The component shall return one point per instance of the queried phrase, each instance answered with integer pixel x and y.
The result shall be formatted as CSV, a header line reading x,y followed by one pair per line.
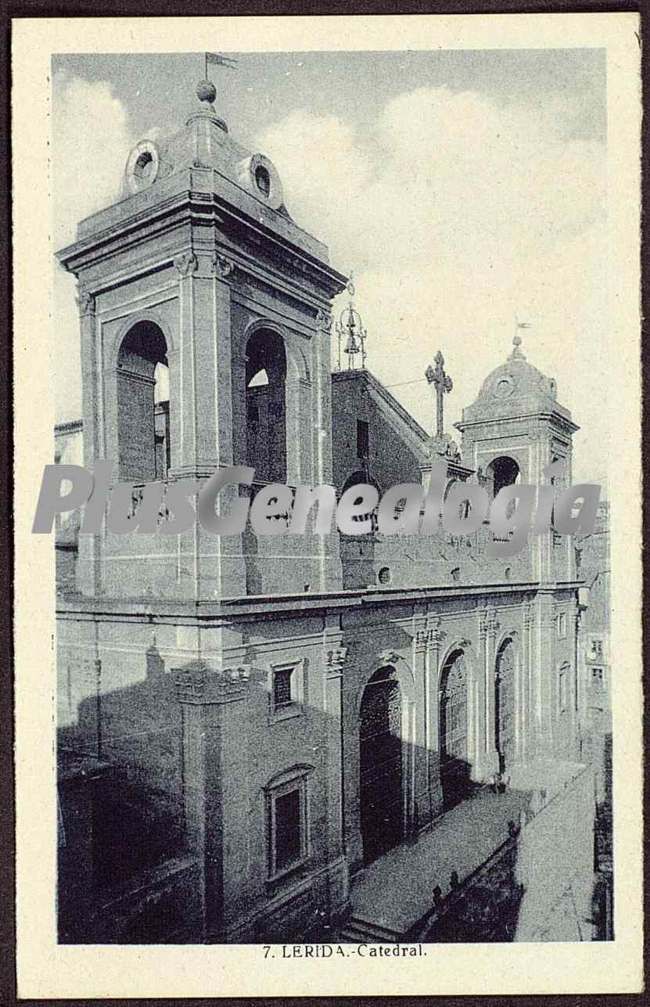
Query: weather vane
x,y
516,339
206,91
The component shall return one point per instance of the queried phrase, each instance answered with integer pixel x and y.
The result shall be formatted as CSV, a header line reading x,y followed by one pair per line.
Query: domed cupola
x,y
516,414
514,388
204,143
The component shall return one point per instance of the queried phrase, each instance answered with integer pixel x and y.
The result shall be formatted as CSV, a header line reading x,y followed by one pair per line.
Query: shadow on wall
x,y
127,876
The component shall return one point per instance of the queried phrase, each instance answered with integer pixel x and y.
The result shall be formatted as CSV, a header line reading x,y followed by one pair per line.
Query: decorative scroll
x,y
186,263
489,622
198,684
324,320
86,302
223,266
336,658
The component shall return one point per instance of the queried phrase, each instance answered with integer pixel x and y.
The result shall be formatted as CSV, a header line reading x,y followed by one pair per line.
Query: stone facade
x,y
226,681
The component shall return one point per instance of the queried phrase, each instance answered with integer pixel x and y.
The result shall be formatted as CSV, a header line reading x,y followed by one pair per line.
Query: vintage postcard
x,y
328,511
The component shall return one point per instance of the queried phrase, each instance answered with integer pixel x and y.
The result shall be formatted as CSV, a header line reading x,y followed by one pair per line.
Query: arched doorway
x,y
143,404
266,411
452,707
380,743
504,704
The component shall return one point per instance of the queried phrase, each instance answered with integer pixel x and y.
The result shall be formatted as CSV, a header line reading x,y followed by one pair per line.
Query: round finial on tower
x,y
206,91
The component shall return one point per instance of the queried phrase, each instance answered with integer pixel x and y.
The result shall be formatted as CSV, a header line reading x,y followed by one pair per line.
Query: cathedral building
x,y
248,723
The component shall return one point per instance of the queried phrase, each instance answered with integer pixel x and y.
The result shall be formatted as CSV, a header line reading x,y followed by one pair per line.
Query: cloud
x,y
90,141
458,212
91,133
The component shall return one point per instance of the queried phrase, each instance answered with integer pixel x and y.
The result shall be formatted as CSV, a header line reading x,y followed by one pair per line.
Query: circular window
x,y
262,180
503,388
258,174
142,166
384,575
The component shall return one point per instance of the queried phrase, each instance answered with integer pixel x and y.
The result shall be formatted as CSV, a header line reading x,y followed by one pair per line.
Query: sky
x,y
463,188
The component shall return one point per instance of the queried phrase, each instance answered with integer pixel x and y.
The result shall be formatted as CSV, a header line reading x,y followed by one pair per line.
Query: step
x,y
358,931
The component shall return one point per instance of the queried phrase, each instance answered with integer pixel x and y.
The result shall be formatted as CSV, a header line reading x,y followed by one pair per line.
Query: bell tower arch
x,y
199,273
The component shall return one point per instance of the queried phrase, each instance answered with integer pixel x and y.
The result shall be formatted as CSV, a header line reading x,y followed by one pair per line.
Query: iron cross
x,y
442,383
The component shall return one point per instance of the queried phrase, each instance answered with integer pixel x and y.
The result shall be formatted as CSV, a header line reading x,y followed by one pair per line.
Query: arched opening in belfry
x,y
453,729
143,404
161,419
266,406
502,471
380,764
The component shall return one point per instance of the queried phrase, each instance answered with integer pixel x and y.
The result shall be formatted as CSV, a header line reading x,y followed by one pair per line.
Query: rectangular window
x,y
596,651
288,828
597,677
562,690
286,685
282,693
363,439
561,625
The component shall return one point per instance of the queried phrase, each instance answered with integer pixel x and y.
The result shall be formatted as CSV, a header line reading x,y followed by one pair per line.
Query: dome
x,y
516,387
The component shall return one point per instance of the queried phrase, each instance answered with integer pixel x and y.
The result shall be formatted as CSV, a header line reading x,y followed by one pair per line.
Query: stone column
x,y
329,547
488,760
526,733
204,383
215,759
543,672
89,562
426,661
334,654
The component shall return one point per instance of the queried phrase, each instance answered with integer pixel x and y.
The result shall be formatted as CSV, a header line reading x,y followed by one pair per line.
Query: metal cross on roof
x,y
442,383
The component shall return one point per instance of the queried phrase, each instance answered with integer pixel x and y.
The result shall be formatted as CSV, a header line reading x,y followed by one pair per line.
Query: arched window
x,y
266,426
502,471
143,405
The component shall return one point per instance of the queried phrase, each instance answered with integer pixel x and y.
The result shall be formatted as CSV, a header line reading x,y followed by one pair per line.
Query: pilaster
x,y
334,658
89,561
426,661
215,761
488,759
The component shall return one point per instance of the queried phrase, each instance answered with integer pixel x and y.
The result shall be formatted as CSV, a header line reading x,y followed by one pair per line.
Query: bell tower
x,y
205,343
510,434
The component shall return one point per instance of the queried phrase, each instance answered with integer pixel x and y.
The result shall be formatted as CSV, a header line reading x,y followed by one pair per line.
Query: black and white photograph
x,y
364,707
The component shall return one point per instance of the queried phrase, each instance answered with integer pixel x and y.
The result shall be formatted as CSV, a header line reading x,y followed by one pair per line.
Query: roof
x,y
396,415
514,389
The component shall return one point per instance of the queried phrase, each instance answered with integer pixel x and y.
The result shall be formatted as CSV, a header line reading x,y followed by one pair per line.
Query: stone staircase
x,y
359,931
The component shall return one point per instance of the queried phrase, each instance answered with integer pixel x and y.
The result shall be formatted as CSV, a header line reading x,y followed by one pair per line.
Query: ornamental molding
x,y
186,263
432,637
199,685
223,266
489,623
389,657
336,658
324,320
86,302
